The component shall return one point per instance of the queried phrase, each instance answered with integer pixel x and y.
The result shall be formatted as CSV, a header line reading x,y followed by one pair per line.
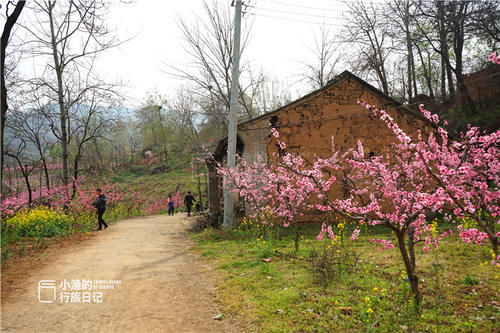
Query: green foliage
x,y
459,118
470,280
286,295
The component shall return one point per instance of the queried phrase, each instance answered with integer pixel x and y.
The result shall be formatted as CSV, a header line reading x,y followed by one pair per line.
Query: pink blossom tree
x,y
274,194
466,172
385,190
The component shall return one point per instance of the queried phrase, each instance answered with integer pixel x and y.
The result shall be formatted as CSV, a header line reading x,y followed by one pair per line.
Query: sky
x,y
282,35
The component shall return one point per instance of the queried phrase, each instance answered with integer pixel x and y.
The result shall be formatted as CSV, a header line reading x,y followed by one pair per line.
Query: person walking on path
x,y
188,201
170,203
100,205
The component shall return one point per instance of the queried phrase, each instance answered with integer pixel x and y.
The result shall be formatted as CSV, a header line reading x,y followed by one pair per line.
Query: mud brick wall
x,y
255,138
308,124
482,86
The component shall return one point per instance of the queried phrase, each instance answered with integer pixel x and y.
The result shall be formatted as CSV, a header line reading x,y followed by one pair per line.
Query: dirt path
x,y
163,288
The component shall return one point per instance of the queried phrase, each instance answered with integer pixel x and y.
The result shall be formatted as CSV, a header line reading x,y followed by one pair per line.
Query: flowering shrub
x,y
336,258
44,222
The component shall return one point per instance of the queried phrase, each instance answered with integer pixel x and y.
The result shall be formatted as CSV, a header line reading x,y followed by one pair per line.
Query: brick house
x,y
307,124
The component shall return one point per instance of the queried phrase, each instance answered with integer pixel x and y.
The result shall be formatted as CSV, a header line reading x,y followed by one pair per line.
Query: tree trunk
x,y
414,75
411,248
451,85
199,192
444,51
494,243
427,74
41,185
75,176
9,24
46,172
410,269
458,48
296,236
206,185
410,52
443,81
63,112
28,185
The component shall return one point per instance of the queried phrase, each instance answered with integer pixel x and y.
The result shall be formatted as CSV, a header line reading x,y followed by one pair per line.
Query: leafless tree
x,y
454,23
321,68
32,127
208,43
401,15
68,35
4,41
152,116
367,32
92,119
17,149
185,116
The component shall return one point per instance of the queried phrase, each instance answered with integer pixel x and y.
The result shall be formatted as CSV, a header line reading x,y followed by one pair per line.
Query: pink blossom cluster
x,y
355,234
386,244
472,235
325,230
462,174
177,198
156,206
434,240
85,197
57,197
494,58
272,193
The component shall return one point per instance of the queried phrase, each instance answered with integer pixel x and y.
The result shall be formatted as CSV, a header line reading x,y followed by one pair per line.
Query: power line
x,y
295,20
364,2
302,6
295,13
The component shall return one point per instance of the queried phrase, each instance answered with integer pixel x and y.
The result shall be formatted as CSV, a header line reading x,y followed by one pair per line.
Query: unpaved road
x,y
163,288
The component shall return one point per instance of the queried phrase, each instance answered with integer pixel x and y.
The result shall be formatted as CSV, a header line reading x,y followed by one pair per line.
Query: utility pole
x,y
233,117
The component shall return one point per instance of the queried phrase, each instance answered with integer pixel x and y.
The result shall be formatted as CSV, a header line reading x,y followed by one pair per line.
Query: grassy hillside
x,y
160,185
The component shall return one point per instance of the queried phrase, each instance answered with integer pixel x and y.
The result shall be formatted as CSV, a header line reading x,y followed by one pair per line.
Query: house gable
x,y
308,123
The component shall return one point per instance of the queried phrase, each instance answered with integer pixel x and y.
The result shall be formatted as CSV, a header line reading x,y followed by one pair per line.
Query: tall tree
x,y
322,68
208,43
401,16
68,36
9,25
152,116
33,129
92,119
367,31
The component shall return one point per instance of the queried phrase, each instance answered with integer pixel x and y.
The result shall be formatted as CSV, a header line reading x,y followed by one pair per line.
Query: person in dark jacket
x,y
100,205
170,206
188,201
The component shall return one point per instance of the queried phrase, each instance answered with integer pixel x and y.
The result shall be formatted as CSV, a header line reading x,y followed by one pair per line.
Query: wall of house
x,y
307,127
255,137
482,86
